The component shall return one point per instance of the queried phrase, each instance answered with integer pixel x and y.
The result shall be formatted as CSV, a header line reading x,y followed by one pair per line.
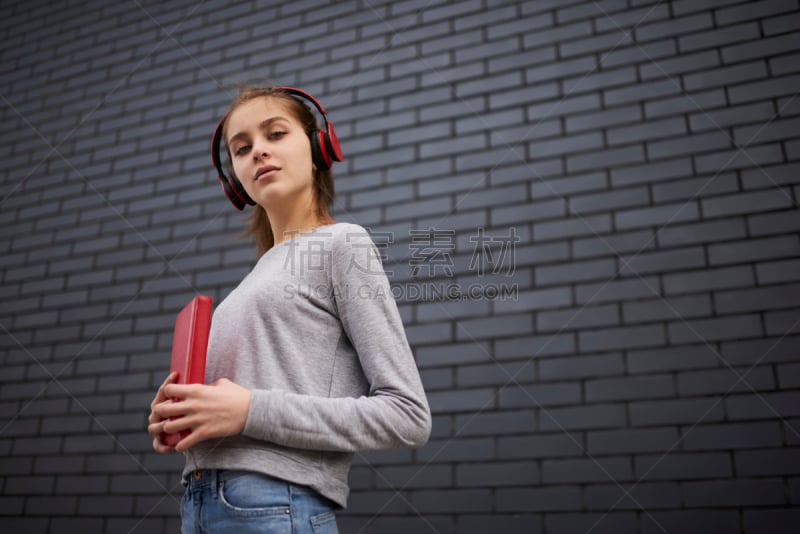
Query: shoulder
x,y
346,234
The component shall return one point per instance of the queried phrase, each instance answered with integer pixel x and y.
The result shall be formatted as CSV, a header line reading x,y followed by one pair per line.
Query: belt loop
x,y
214,481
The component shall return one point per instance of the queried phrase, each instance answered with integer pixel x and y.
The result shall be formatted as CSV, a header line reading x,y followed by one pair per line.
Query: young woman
x,y
307,358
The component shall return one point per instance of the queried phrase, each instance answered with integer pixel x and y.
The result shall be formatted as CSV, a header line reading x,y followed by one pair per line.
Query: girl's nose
x,y
260,150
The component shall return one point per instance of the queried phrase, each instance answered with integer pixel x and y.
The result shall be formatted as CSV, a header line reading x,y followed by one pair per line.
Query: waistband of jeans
x,y
212,477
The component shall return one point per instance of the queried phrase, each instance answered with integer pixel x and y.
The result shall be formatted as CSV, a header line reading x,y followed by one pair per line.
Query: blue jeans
x,y
243,502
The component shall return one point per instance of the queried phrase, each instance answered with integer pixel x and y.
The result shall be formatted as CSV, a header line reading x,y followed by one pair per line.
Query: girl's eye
x,y
242,150
276,136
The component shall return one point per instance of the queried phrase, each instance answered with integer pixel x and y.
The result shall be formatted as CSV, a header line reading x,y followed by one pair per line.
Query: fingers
x,y
189,441
160,394
156,422
181,391
160,447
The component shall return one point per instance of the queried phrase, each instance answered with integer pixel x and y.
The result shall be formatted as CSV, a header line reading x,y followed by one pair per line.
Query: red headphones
x,y
325,149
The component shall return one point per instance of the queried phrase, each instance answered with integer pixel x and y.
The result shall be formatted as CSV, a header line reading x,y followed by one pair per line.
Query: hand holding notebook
x,y
189,345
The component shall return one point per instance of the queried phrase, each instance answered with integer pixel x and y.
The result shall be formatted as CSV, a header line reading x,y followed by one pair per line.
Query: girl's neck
x,y
287,229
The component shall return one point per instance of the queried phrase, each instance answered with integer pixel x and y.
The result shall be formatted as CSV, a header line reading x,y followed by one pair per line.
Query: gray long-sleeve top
x,y
314,332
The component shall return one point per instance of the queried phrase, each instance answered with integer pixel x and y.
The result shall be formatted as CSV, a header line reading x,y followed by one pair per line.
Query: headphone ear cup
x,y
241,194
332,142
318,156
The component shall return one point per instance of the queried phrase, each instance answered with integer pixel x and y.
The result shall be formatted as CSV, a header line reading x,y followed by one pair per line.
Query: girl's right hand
x,y
156,424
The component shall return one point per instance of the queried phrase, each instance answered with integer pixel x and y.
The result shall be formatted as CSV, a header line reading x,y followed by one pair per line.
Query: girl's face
x,y
270,152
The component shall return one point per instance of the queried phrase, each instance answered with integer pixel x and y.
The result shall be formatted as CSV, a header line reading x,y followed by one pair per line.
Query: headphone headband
x,y
325,149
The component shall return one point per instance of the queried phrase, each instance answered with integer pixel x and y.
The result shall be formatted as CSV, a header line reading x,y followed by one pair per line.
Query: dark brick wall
x,y
643,377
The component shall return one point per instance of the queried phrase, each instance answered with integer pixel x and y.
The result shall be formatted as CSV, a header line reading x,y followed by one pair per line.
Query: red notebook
x,y
189,344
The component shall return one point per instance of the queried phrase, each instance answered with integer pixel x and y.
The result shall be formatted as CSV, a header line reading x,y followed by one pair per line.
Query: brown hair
x,y
323,190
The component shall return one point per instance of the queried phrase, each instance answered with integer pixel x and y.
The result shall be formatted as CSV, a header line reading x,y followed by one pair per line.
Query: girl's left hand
x,y
210,411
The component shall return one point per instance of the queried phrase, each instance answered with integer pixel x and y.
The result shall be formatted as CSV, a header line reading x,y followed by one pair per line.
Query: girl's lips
x,y
266,173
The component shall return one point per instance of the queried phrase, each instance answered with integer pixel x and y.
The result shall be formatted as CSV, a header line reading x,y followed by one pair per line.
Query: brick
x,y
679,64
767,350
758,112
746,203
557,34
782,323
691,521
534,346
578,271
680,104
615,244
777,271
662,262
452,501
538,499
773,223
414,476
487,50
610,201
769,46
561,69
605,159
639,53
629,388
774,129
681,411
495,423
737,436
524,96
582,418
523,59
457,450
470,329
539,395
788,376
568,105
491,18
767,462
494,374
762,90
667,309
752,250
30,525
616,290
777,521
757,299
708,279
508,136
683,466
673,27
603,442
580,366
463,400
500,474
29,485
762,405
434,355
690,144
577,318
585,470
648,495
594,81
722,77
646,131
573,227
705,232
538,446
708,330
